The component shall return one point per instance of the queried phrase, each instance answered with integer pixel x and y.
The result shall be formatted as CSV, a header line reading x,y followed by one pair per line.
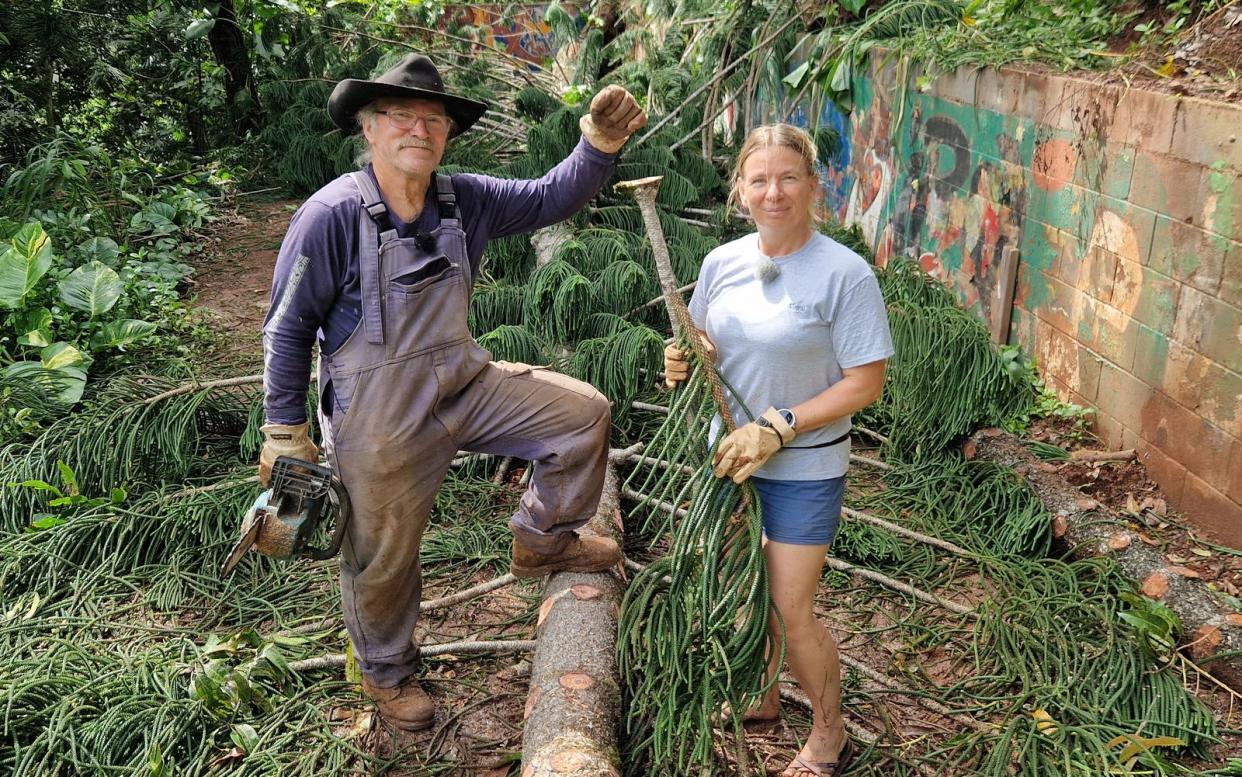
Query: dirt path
x,y
233,280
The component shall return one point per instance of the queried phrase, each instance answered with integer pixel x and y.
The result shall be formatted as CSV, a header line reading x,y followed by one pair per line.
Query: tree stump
x,y
574,703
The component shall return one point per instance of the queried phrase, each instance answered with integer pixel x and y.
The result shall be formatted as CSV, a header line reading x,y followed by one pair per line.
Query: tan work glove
x,y
748,447
677,363
614,116
281,440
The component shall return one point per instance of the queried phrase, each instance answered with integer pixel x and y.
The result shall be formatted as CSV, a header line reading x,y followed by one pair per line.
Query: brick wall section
x,y
1126,206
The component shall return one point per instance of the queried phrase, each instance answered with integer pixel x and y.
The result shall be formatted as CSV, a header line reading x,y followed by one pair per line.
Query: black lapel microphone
x,y
425,241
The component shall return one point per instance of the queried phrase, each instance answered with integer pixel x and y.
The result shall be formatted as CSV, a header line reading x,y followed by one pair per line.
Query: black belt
x,y
828,444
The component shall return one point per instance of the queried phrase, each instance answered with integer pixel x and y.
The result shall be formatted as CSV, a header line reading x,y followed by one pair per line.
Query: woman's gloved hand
x,y
283,440
677,362
748,447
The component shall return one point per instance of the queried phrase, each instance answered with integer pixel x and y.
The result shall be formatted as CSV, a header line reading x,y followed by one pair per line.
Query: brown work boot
x,y
407,706
582,554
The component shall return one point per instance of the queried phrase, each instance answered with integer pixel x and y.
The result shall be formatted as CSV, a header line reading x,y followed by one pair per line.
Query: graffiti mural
x,y
519,31
1127,235
936,193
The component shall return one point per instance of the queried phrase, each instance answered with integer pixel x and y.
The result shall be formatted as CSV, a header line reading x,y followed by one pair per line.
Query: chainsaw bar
x,y
250,533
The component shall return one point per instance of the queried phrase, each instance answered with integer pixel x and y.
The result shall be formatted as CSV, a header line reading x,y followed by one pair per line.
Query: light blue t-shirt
x,y
781,342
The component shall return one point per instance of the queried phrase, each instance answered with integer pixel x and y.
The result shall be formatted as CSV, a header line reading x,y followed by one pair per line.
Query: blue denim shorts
x,y
800,512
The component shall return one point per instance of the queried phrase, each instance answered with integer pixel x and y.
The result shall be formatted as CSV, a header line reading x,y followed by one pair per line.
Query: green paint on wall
x,y
1223,183
1151,356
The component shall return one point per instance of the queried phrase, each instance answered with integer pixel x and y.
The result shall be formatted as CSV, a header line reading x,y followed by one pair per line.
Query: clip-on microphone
x,y
425,241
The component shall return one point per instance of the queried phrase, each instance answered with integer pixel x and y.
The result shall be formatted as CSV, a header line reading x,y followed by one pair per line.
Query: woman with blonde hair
x,y
798,326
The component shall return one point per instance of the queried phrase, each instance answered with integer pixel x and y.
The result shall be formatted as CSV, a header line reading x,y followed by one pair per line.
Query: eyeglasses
x,y
405,120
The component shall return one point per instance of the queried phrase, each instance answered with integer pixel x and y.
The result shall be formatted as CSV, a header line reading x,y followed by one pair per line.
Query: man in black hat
x,y
377,268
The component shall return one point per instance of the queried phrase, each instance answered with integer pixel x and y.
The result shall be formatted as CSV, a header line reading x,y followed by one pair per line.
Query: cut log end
x,y
584,592
1156,585
636,183
577,681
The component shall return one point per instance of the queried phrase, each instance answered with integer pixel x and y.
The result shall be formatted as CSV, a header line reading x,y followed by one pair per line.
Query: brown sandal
x,y
826,768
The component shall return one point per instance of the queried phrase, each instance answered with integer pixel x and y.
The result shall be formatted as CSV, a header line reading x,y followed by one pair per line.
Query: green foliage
x,y
67,496
513,343
305,147
946,379
1046,404
534,104
618,362
693,632
1155,623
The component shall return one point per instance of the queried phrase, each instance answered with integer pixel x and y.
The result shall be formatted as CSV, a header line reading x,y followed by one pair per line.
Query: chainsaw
x,y
286,519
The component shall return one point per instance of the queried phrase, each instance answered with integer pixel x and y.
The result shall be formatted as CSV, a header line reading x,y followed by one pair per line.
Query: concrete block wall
x,y
1126,208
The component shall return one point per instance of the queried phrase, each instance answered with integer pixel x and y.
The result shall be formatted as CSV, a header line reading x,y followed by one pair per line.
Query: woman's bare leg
x,y
811,653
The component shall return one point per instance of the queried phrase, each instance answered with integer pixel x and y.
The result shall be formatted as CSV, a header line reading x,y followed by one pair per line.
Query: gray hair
x,y
362,149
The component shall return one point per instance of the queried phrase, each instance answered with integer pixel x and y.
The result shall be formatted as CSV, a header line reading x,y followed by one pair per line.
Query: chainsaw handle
x,y
340,498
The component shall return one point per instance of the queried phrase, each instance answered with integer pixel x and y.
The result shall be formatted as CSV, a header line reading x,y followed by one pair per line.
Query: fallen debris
x,y
1211,635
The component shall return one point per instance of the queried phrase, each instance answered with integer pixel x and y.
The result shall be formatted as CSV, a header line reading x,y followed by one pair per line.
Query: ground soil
x,y
1125,489
233,280
1204,60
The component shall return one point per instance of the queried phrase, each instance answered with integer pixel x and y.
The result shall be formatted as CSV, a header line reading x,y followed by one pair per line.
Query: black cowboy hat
x,y
415,76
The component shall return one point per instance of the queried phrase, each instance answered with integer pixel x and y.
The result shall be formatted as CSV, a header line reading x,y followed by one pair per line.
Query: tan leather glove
x,y
748,447
614,116
281,440
677,363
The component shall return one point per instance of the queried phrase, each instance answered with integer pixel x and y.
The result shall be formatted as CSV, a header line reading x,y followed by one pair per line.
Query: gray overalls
x,y
409,388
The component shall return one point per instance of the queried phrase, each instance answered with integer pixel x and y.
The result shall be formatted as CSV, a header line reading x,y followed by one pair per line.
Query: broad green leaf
x,y
245,737
72,382
67,476
37,485
47,522
58,355
198,28
118,495
273,655
842,75
34,327
93,287
121,333
103,249
161,209
155,761
794,79
853,6
67,383
24,259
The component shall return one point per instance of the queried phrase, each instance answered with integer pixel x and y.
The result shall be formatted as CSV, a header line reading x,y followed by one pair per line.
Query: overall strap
x,y
374,228
374,205
447,199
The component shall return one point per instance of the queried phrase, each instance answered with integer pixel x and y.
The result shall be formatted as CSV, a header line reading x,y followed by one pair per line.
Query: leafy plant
x,y
67,495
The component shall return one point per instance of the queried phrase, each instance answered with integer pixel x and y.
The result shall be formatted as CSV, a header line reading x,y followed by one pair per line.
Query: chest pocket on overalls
x,y
420,272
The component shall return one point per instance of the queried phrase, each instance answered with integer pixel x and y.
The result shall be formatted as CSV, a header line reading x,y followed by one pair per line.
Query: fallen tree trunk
x,y
1210,635
574,703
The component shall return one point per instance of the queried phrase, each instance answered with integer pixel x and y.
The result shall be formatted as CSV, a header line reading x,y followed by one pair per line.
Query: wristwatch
x,y
789,417
786,413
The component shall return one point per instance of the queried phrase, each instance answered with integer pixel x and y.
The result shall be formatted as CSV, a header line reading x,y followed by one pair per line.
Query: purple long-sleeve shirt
x,y
316,287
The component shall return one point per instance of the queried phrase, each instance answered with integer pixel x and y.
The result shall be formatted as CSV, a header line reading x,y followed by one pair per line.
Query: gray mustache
x,y
415,144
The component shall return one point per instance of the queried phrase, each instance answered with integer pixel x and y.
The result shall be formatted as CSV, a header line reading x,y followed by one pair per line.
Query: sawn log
x,y
574,702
